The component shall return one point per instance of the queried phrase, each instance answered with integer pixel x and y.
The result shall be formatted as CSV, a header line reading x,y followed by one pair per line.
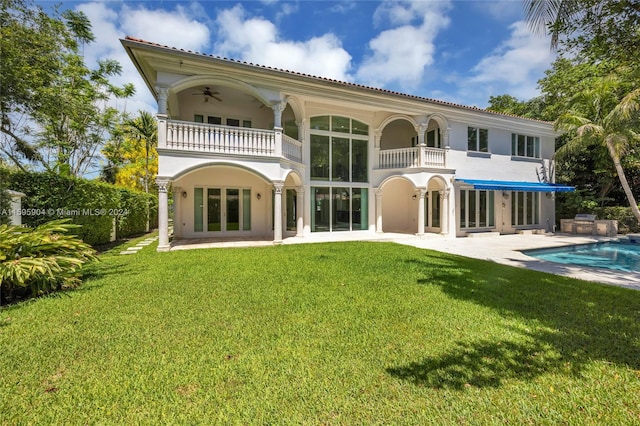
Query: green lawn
x,y
344,333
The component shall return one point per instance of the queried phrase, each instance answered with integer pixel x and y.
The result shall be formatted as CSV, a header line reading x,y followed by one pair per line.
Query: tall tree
x,y
601,30
144,130
54,110
597,116
131,153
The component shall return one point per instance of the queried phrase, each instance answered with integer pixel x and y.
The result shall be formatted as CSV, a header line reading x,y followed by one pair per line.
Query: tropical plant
x,y
598,116
132,159
143,131
40,260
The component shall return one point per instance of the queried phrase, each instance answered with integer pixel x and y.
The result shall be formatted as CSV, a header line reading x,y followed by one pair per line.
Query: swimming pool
x,y
617,255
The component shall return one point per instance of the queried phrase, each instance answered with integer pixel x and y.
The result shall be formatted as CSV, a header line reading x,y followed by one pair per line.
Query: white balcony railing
x,y
418,156
199,137
291,148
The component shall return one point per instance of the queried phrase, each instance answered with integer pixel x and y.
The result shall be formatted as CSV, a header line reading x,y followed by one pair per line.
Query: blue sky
x,y
460,51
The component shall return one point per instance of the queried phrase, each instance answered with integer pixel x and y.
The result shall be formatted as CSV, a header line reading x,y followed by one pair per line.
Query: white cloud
x,y
165,26
255,39
516,65
402,54
160,26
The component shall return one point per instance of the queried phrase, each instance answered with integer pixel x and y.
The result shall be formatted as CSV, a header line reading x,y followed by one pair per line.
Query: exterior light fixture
x,y
184,194
258,195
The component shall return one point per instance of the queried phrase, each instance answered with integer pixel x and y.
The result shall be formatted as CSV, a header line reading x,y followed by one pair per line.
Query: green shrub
x,y
40,260
88,203
136,209
97,206
627,222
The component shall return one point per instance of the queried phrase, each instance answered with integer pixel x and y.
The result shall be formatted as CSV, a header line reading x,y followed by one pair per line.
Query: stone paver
x,y
139,246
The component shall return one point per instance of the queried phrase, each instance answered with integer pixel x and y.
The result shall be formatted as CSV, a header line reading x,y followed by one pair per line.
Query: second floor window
x,y
525,146
477,139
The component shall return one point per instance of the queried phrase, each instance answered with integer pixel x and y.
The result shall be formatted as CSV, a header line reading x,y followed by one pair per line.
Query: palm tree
x,y
597,116
552,16
143,129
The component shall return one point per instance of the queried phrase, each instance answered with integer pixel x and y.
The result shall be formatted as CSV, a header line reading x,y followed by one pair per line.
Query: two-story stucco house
x,y
252,151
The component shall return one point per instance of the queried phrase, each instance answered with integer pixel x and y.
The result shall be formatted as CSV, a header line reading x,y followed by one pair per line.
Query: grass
x,y
344,333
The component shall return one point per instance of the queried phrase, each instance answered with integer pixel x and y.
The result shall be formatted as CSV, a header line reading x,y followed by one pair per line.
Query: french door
x,y
222,209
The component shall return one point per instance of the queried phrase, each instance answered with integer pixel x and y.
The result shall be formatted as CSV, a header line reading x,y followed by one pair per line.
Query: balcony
x,y
417,156
227,140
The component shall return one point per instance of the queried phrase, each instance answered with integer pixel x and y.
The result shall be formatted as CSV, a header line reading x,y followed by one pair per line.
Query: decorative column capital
x,y
444,193
277,186
300,191
422,192
278,106
378,192
421,128
163,184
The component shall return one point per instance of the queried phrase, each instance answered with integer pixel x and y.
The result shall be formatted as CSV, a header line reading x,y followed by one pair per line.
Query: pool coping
x,y
507,250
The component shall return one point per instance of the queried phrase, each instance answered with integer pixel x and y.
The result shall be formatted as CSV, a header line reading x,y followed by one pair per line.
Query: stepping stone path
x,y
142,244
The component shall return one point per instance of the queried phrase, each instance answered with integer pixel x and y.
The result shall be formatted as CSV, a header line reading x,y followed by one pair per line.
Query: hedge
x,y
627,222
92,204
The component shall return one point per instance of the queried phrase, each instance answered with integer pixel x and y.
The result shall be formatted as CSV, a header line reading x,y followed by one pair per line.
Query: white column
x,y
444,226
300,211
278,108
163,95
378,193
422,193
163,214
277,213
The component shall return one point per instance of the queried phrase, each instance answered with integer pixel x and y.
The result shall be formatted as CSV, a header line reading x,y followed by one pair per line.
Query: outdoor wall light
x,y
184,194
258,195
414,197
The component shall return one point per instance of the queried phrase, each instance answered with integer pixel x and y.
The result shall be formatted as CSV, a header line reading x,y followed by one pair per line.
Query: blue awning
x,y
500,185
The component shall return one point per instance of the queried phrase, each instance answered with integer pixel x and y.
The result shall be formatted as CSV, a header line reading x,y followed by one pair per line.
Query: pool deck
x,y
506,250
503,249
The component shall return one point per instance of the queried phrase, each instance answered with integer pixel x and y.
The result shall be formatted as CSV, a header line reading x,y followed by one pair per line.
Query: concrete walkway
x,y
503,249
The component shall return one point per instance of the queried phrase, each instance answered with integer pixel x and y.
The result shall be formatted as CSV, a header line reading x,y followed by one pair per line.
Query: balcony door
x,y
222,209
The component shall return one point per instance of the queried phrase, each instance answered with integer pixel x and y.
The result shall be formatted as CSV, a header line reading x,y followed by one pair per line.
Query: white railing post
x,y
162,130
278,141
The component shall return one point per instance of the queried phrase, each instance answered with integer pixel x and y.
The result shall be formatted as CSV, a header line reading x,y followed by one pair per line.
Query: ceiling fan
x,y
207,93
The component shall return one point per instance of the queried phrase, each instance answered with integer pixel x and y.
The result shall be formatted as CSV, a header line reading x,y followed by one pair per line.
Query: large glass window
x,y
525,146
477,139
477,209
339,209
319,157
359,160
525,208
339,157
339,149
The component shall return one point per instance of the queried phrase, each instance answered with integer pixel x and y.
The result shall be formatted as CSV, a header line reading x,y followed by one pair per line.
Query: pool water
x,y
617,255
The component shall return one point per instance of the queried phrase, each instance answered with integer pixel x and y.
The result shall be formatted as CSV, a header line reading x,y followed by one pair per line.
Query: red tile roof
x,y
343,83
